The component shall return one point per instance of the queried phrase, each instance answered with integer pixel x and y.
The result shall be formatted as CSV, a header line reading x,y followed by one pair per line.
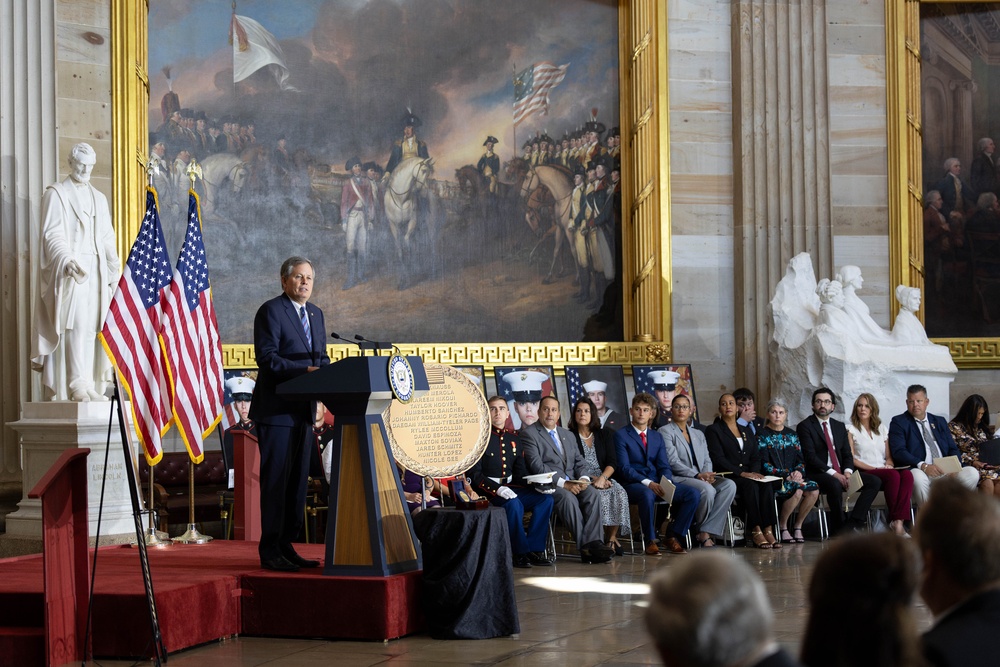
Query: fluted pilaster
x,y
645,173
27,165
782,172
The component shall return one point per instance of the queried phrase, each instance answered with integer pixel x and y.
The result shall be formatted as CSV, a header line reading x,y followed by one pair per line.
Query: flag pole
x,y
192,535
513,80
152,539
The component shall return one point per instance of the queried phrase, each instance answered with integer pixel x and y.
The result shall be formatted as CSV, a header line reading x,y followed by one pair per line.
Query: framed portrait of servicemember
x,y
524,387
605,386
664,381
476,375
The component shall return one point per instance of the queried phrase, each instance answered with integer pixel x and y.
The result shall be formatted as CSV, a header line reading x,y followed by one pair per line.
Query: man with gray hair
x,y
957,532
956,194
77,274
289,338
711,610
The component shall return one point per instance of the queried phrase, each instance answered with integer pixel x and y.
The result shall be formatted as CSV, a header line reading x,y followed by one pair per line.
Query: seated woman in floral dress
x,y
781,455
597,444
971,428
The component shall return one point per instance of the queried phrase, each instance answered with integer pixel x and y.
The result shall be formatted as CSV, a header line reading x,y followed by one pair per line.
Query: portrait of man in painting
x,y
960,91
451,169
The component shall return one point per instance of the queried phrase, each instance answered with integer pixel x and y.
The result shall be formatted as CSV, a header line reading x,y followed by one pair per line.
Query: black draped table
x,y
468,573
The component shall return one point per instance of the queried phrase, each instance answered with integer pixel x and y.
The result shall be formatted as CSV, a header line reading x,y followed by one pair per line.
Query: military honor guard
x,y
241,389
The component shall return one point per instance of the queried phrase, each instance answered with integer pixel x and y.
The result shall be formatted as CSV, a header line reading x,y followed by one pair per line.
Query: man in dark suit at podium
x,y
289,340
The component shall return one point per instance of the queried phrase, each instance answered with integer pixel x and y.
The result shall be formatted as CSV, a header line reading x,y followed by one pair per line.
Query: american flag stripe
x,y
132,328
193,346
532,86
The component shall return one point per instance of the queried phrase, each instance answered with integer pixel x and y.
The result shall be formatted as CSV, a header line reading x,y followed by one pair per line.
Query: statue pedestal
x,y
835,360
47,429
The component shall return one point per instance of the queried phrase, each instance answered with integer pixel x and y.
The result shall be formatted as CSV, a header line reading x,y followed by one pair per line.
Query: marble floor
x,y
570,614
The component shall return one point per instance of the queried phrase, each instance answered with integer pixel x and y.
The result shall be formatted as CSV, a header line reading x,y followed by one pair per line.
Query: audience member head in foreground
x,y
863,585
957,532
711,610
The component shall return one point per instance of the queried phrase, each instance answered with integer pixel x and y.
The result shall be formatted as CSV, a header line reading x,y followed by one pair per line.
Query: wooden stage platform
x,y
207,592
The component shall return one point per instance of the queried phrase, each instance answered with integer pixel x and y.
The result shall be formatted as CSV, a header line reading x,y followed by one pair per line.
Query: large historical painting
x,y
960,92
451,168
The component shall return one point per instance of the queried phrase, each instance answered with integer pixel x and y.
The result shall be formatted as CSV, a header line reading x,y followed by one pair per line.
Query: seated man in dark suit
x,y
549,447
957,532
499,476
642,462
917,437
830,463
712,610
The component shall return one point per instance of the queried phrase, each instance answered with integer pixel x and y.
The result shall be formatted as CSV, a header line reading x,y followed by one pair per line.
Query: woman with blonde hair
x,y
869,438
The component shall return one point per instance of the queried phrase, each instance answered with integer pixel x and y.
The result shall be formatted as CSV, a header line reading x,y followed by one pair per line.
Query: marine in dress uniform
x,y
499,476
664,389
526,393
241,389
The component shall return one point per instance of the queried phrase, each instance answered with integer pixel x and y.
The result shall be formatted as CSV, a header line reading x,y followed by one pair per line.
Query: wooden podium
x,y
369,531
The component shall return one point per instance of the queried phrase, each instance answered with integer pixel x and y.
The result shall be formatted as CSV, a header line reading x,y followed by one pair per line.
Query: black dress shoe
x,y
598,548
587,556
539,558
279,564
521,560
299,561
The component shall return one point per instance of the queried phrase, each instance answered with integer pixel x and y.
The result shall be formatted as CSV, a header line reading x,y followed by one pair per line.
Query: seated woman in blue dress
x,y
782,457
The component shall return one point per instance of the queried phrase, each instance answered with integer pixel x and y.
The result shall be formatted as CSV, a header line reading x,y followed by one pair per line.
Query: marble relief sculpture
x,y
824,336
77,272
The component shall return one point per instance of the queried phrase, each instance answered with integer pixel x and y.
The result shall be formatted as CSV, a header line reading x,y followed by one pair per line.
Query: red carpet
x,y
206,592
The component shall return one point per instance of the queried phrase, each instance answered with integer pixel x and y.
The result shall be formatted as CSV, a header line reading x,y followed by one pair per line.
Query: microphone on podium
x,y
372,344
334,334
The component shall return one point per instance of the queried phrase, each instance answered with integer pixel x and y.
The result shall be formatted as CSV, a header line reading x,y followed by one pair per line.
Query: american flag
x,y
192,343
132,328
532,86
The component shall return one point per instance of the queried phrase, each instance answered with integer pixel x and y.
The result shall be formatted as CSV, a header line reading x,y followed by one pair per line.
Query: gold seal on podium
x,y
444,432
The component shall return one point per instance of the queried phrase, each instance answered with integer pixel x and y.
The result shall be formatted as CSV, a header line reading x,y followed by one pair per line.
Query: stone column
x,y
27,165
964,142
782,169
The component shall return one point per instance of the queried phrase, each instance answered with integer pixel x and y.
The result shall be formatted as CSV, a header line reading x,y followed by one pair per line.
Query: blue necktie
x,y
305,326
555,439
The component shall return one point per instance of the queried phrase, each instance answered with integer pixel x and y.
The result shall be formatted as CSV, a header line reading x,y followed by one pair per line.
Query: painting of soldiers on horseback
x,y
450,167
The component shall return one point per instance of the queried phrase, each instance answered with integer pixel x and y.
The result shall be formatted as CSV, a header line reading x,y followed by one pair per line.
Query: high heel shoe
x,y
798,536
786,537
759,540
771,539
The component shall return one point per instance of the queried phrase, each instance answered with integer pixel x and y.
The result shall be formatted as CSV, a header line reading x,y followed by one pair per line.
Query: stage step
x,y
22,646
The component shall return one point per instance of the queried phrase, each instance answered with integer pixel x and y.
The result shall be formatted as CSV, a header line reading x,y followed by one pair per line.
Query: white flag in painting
x,y
255,48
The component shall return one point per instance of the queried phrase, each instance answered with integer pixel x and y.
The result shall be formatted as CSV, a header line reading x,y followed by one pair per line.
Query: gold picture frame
x,y
645,194
906,246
